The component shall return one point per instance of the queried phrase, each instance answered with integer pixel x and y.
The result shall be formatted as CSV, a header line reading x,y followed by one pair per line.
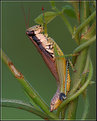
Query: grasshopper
x,y
48,48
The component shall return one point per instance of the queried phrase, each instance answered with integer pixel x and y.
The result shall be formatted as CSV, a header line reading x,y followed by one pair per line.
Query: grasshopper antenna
x,y
28,17
26,22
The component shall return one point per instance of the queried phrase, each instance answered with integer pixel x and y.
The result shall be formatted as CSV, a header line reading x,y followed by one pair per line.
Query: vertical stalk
x,y
75,4
66,23
63,112
80,64
84,13
72,109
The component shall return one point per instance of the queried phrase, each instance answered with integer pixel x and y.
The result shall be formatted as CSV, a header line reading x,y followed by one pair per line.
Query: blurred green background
x,y
28,61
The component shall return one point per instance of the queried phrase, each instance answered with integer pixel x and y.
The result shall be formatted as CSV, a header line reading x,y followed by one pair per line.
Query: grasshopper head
x,y
34,30
57,100
55,104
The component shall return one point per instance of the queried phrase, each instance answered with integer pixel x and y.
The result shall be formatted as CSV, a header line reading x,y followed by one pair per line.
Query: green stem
x,y
72,97
72,108
81,80
73,90
94,3
86,108
84,13
53,5
27,87
90,32
63,112
44,24
45,29
81,59
76,8
77,11
62,16
24,106
85,44
66,23
79,66
84,24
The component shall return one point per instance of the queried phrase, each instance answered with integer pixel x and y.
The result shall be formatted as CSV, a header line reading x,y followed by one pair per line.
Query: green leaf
x,y
12,103
31,101
68,10
48,17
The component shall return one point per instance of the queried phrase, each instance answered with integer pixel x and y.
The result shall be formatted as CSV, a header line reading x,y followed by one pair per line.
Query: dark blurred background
x,y
28,61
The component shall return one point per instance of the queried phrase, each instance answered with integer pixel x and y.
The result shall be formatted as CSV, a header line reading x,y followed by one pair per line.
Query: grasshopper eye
x,y
30,33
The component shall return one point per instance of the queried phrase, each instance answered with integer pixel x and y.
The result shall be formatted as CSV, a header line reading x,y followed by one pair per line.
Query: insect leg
x,y
67,82
72,66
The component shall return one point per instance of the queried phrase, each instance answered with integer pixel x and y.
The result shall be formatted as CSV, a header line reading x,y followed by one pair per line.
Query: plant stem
x,y
82,79
27,87
73,90
84,24
80,64
81,60
66,23
90,32
76,8
63,112
24,106
84,45
72,108
86,108
62,16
